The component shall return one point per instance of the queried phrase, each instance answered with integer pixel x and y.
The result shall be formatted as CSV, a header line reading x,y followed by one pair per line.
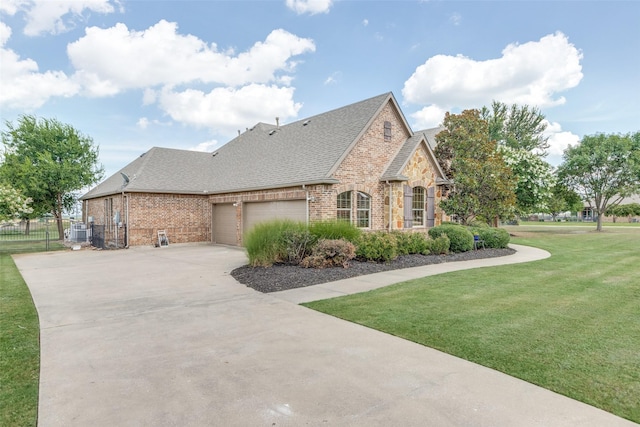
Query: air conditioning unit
x,y
78,232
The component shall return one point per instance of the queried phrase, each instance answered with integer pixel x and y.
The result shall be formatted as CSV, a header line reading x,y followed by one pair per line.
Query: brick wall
x,y
186,218
366,162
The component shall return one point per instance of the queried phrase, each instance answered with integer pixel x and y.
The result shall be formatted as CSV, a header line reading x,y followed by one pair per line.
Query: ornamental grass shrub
x,y
377,246
266,243
330,253
460,238
335,230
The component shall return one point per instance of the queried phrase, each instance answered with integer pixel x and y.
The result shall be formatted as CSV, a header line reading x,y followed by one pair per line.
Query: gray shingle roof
x,y
303,152
394,170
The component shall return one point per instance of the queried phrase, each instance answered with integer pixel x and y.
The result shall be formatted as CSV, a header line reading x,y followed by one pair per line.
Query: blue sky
x,y
190,74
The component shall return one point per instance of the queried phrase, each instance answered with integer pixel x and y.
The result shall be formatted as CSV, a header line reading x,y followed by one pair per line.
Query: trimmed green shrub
x,y
460,238
493,237
439,245
330,253
335,230
377,246
266,243
411,243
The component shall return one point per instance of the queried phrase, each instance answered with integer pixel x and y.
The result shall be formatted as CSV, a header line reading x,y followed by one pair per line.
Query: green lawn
x,y
19,349
570,323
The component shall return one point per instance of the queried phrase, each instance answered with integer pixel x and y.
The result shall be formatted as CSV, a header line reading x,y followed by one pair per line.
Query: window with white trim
x,y
344,206
363,210
347,205
417,206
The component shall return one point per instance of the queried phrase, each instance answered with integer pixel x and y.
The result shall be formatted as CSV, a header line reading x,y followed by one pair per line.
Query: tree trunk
x,y
27,227
599,226
58,215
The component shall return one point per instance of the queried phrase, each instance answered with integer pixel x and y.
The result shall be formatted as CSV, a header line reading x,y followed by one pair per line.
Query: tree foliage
x,y
517,127
535,179
563,199
603,169
48,161
483,183
627,210
13,204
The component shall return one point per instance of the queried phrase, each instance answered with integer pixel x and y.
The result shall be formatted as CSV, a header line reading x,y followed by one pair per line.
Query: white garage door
x,y
224,226
257,212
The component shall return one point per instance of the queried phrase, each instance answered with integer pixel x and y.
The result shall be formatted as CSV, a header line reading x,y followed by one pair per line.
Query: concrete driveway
x,y
165,337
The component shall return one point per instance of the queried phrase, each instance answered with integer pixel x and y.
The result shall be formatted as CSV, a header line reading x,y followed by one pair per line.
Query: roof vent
x,y
306,122
272,132
214,154
277,122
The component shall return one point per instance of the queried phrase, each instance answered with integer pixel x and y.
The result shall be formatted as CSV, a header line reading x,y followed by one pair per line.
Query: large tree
x,y
603,169
48,161
518,127
483,184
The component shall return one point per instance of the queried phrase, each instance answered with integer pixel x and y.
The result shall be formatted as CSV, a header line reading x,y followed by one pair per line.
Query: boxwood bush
x,y
460,238
493,237
439,245
376,246
411,243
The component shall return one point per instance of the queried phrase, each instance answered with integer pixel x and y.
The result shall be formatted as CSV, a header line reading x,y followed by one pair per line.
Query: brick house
x,y
361,163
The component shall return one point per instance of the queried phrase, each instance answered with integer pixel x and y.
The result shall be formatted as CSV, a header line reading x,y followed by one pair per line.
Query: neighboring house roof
x,y
307,151
397,165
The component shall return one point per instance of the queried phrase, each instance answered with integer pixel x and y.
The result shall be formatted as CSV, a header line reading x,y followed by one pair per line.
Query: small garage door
x,y
257,212
224,224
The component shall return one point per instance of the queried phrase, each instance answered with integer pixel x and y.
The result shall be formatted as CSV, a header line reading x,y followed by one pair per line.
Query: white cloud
x,y
532,73
206,146
22,86
111,60
309,6
11,7
334,78
429,117
143,123
558,141
227,109
455,18
54,16
365,22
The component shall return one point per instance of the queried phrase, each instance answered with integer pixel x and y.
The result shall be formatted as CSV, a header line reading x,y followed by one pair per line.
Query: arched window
x,y
417,206
345,208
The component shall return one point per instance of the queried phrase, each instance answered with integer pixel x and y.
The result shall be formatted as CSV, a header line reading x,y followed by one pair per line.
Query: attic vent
x,y
142,154
387,131
306,122
214,154
272,132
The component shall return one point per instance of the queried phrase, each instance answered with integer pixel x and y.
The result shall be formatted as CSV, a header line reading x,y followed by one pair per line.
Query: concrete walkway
x,y
166,337
386,278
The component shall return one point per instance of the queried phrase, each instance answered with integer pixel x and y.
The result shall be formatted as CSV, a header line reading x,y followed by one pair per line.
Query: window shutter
x,y
431,206
408,204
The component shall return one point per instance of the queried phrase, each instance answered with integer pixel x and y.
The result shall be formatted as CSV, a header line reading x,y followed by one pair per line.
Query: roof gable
x,y
406,152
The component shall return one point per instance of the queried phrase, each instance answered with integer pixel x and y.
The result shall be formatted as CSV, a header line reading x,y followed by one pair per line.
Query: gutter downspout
x,y
126,224
390,207
306,203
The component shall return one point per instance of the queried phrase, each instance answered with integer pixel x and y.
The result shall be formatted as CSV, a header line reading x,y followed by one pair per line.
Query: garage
x,y
257,212
224,228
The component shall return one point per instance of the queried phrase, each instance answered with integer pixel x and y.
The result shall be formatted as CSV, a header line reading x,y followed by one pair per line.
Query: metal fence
x,y
27,236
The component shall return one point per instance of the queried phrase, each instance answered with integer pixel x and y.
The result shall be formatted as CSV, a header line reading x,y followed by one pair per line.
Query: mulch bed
x,y
281,277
